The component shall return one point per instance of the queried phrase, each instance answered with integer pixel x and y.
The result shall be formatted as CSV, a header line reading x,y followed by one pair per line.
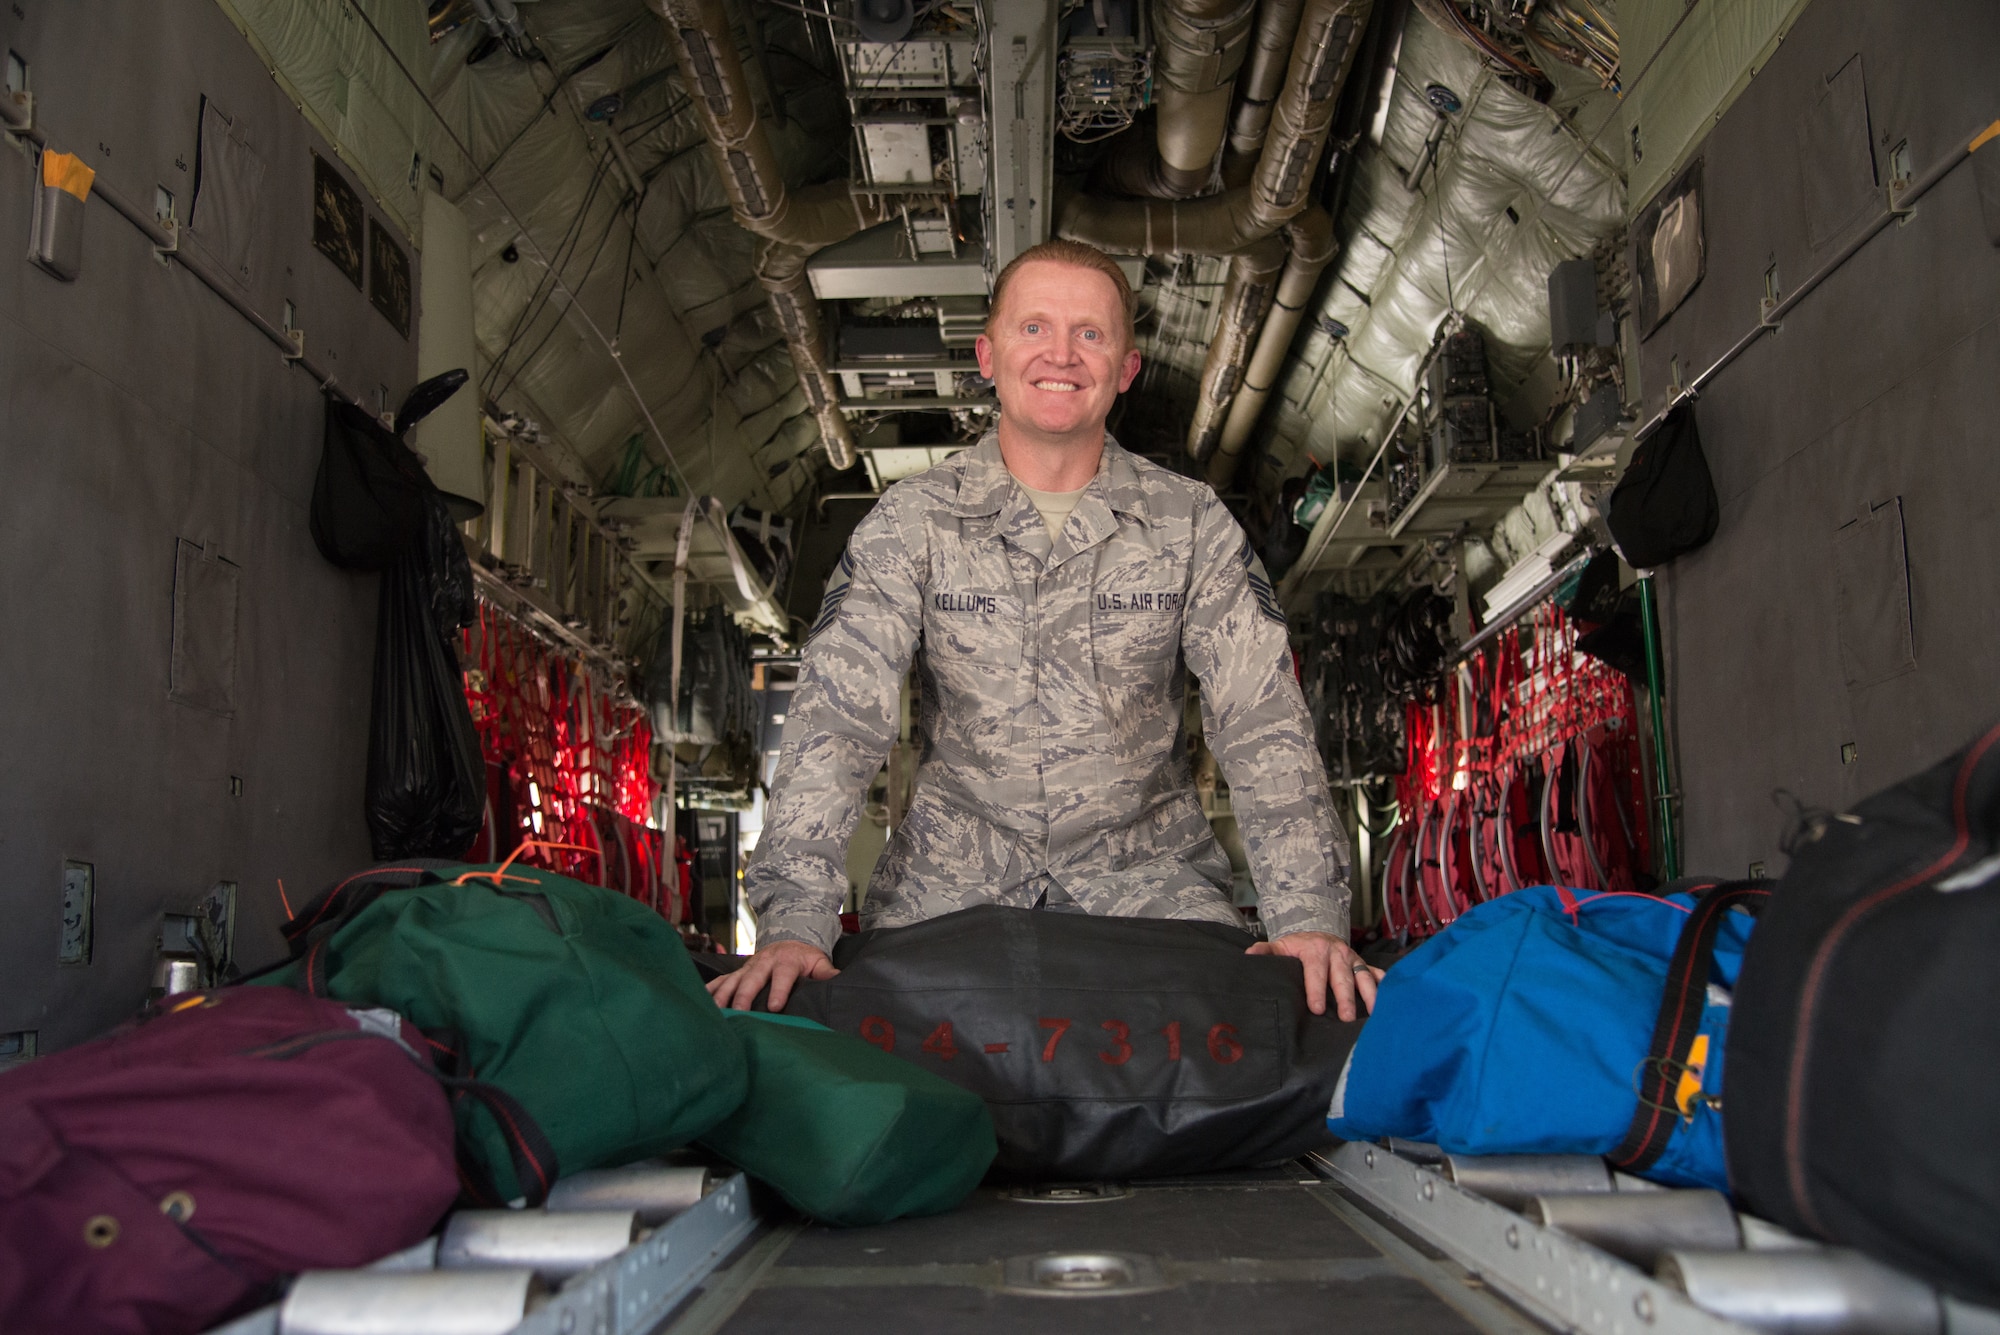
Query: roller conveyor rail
x,y
1583,1250
1393,1237
631,1291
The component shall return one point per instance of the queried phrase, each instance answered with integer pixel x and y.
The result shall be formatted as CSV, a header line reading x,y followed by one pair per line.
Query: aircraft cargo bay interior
x,y
999,665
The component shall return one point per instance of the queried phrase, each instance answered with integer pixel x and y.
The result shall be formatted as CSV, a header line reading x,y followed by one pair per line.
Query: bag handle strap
x,y
1679,1020
328,913
534,1157
536,1166
325,914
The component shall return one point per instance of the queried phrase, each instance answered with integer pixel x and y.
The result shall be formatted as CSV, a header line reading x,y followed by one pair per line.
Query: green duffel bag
x,y
578,1002
847,1133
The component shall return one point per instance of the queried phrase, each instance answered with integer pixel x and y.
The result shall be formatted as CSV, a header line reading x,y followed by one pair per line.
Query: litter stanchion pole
x,y
1663,785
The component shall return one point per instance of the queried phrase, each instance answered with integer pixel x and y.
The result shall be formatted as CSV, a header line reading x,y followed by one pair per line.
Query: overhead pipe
x,y
793,223
1310,235
1263,75
781,268
1238,219
1278,190
1201,45
1199,48
1246,299
1312,245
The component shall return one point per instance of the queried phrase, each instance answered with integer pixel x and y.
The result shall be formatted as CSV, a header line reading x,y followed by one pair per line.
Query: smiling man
x,y
1056,592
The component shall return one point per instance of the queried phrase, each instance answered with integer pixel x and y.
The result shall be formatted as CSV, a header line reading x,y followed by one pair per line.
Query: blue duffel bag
x,y
1557,1021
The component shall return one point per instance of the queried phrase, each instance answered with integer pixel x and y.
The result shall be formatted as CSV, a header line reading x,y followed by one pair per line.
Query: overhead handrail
x,y
1899,206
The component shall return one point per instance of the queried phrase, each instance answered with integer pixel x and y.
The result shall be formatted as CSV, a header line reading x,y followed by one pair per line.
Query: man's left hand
x,y
1328,960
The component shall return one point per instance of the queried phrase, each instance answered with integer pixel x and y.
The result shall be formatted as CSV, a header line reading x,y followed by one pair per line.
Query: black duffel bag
x,y
1864,1048
1105,1047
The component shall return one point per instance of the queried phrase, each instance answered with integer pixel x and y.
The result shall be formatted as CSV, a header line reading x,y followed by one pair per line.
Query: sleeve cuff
x,y
1323,913
814,929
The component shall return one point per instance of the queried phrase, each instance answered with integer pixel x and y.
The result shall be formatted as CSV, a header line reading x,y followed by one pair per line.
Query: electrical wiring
x,y
830,18
548,285
562,82
1587,42
1388,826
604,236
604,343
1446,15
550,279
1415,643
633,135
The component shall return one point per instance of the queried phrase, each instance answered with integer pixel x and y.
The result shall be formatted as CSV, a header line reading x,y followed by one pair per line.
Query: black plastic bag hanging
x,y
447,571
426,774
371,494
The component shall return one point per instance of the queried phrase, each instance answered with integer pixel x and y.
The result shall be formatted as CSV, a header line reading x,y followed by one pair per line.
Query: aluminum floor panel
x,y
1237,1252
1378,1307
1269,1222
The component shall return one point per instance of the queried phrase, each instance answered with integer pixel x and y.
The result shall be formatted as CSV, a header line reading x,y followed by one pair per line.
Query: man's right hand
x,y
781,964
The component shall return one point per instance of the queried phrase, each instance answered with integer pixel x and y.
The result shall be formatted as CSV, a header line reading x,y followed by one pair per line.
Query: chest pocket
x,y
1135,640
973,640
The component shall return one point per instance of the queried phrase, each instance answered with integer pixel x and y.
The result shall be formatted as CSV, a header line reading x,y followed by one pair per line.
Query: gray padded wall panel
x,y
1880,385
137,410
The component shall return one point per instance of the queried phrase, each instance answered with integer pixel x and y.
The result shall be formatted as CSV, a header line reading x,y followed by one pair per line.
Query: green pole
x,y
1649,619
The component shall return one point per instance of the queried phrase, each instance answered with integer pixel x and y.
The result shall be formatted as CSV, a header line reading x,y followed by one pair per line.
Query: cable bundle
x,y
1416,641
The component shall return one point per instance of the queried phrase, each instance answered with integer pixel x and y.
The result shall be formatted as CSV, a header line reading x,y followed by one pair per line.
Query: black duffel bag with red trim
x,y
1864,1052
1106,1048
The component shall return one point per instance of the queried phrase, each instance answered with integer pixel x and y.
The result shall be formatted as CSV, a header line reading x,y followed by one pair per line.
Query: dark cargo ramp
x,y
1263,1251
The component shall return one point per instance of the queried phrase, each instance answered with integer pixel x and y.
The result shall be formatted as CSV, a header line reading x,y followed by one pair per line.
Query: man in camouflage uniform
x,y
1055,591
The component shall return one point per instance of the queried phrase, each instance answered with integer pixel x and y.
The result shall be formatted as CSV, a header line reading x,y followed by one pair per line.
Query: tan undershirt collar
x,y
1053,505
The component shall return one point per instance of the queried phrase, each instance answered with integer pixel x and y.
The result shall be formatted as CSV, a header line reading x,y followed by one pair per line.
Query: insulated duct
x,y
1199,46
793,223
1223,224
1323,39
781,268
1310,236
1263,76
1246,298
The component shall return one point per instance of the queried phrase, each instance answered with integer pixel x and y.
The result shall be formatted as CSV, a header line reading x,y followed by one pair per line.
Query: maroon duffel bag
x,y
167,1175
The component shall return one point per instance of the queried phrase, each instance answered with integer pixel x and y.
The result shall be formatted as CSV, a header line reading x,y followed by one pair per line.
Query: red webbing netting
x,y
569,764
1527,771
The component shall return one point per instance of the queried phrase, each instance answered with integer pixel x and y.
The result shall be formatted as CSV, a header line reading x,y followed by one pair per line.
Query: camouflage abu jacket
x,y
1050,739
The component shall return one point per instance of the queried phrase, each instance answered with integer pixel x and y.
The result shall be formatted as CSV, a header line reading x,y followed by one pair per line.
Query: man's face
x,y
1058,356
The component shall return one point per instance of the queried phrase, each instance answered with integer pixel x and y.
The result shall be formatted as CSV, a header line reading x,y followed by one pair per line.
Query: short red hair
x,y
1080,255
